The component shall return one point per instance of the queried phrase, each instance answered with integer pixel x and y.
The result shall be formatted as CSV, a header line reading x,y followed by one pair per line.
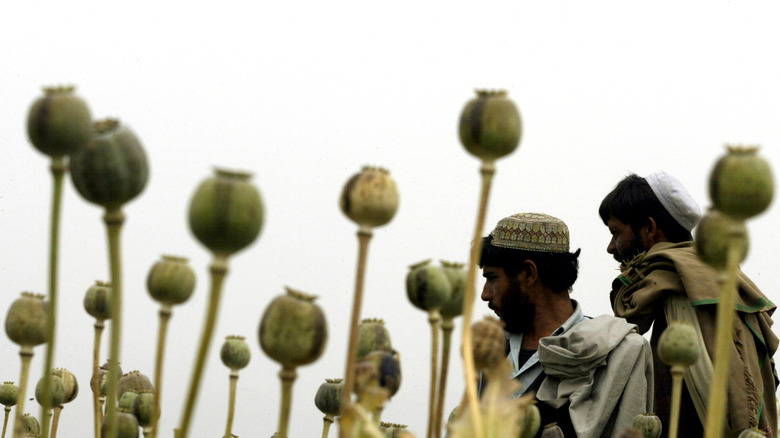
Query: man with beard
x,y
662,279
578,367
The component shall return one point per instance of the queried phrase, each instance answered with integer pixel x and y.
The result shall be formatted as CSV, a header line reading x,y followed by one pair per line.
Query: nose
x,y
612,246
485,296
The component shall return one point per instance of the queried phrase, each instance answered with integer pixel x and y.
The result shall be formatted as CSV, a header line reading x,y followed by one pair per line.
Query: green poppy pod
x,y
751,433
489,343
648,424
133,381
70,382
8,394
235,352
714,233
490,125
127,400
457,276
552,430
103,373
226,212
126,425
387,369
328,397
30,425
370,197
372,335
171,280
143,408
97,300
59,123
393,430
112,168
531,420
679,344
292,330
25,323
427,286
741,182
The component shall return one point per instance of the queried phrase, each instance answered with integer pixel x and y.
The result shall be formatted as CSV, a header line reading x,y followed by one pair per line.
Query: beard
x,y
517,312
634,249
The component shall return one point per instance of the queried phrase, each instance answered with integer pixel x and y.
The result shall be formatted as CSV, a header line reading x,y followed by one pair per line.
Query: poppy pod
x,y
59,122
112,168
386,368
490,125
25,323
133,381
552,430
679,344
103,373
31,425
489,343
293,329
8,394
235,353
372,336
56,390
97,300
70,382
370,197
226,212
714,233
457,276
143,408
427,286
127,400
393,430
126,424
741,183
171,280
328,397
648,424
531,420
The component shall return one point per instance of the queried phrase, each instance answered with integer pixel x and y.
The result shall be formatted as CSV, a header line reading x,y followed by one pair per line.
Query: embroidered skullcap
x,y
675,199
531,232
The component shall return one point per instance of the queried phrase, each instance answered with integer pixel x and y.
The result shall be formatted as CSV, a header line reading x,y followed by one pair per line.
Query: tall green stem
x,y
114,218
716,404
674,416
364,237
58,168
231,402
327,420
95,382
446,329
218,270
5,421
165,316
486,170
287,375
26,354
434,318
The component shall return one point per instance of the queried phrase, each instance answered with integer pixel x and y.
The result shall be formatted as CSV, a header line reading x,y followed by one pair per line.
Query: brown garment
x,y
638,295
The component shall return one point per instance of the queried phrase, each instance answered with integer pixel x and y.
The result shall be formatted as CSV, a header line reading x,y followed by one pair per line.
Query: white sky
x,y
303,94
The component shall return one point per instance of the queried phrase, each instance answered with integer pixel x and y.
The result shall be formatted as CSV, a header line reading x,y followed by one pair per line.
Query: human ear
x,y
531,272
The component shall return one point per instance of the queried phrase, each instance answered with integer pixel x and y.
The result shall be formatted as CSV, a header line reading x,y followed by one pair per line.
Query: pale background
x,y
304,93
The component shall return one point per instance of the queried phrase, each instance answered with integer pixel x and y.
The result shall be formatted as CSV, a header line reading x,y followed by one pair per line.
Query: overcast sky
x,y
303,94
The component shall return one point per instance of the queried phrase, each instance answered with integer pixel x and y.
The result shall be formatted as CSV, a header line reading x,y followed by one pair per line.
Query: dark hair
x,y
557,270
633,201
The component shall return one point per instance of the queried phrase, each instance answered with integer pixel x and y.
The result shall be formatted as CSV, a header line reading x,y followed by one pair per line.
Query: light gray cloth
x,y
604,369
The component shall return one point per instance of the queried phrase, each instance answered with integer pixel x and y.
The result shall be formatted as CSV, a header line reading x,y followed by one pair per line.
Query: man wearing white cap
x,y
581,369
662,279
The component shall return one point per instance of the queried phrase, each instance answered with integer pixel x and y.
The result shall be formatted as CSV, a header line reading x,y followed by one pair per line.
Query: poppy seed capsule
x,y
679,344
489,343
133,381
490,125
30,425
392,430
143,408
25,323
370,197
648,424
126,425
8,394
70,382
171,280
751,433
328,397
226,212
372,335
427,286
127,400
387,369
457,276
531,420
714,233
292,330
103,373
235,353
59,122
97,300
741,183
552,430
112,168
